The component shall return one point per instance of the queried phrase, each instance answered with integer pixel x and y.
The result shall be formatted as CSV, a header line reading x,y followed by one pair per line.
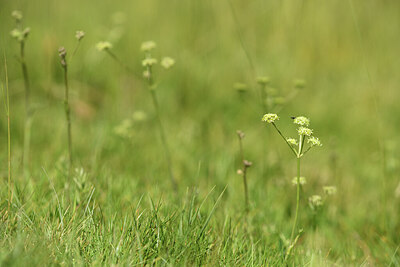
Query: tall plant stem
x,y
7,107
246,193
246,164
28,113
297,209
68,118
163,137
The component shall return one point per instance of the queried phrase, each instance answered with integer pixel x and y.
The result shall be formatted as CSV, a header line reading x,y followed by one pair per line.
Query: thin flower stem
x,y
284,138
7,107
246,193
28,113
161,127
114,56
297,210
68,117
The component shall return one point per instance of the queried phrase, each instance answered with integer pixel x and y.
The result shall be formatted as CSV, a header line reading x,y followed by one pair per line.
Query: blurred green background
x,y
346,51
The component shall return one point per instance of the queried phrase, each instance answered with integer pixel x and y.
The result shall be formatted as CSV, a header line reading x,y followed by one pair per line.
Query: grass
x,y
118,207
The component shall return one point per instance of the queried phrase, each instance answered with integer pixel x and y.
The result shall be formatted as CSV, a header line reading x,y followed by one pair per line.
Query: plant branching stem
x,y
28,112
161,128
68,119
284,138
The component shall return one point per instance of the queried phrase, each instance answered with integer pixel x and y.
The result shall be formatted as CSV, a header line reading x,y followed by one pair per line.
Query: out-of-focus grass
x,y
346,51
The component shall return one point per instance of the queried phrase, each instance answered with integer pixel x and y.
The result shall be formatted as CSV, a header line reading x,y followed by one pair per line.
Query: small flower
x,y
240,134
314,141
62,53
292,141
79,35
330,190
304,131
17,15
148,62
302,121
270,117
146,74
167,62
247,163
148,46
299,84
263,80
239,172
240,87
315,201
139,116
101,46
17,34
302,179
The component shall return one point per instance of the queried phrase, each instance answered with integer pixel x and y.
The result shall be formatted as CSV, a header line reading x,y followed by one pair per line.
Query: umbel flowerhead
x,y
306,137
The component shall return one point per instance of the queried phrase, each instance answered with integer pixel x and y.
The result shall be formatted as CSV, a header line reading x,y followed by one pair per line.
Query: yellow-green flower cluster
x,y
304,131
302,180
101,46
314,141
19,35
302,121
167,62
330,190
79,35
148,46
315,201
148,62
270,117
17,15
262,80
292,141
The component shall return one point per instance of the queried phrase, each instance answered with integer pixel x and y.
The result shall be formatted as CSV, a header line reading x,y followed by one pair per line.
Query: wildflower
x,y
148,46
240,134
62,53
302,121
79,35
270,117
148,62
20,35
139,115
247,163
17,34
240,87
101,46
292,141
17,15
304,131
315,201
330,190
263,80
302,180
314,141
167,62
146,74
299,84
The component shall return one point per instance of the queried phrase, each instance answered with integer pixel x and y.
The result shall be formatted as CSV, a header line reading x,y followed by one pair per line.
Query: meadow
x,y
157,152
